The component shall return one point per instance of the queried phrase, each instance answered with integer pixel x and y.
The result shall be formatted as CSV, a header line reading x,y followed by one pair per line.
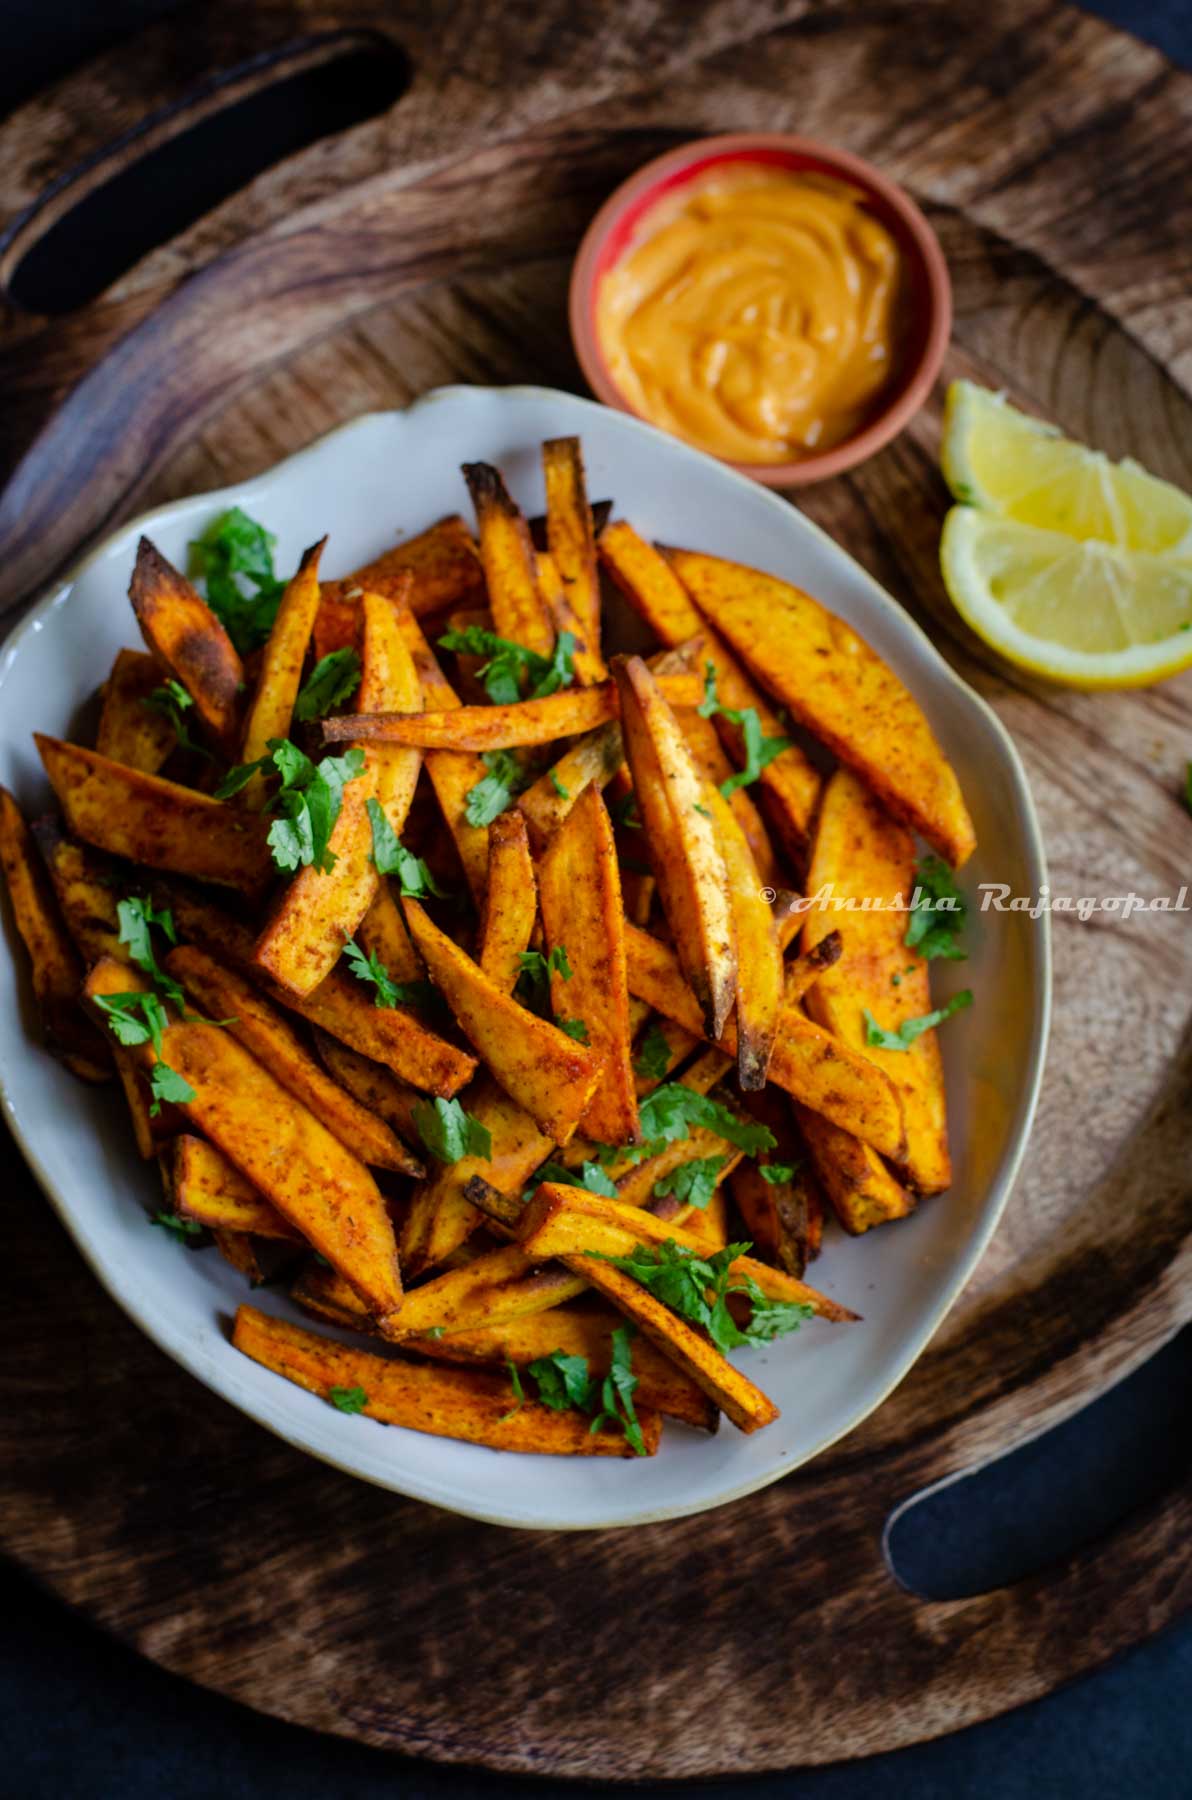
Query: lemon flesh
x,y
1080,611
1005,462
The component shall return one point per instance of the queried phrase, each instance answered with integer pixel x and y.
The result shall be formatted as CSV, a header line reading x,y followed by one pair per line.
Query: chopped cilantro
x,y
185,1230
777,1173
371,968
624,812
392,858
235,555
348,1400
589,1175
309,799
573,1028
172,701
902,1039
560,790
667,1113
519,1392
693,1183
937,912
333,680
508,664
759,751
564,1383
496,792
535,971
449,1132
697,1288
654,1055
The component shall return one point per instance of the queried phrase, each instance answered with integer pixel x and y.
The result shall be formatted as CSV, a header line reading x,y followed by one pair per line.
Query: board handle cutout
x,y
142,188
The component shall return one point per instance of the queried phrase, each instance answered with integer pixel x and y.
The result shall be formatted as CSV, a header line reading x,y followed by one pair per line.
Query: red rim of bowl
x,y
611,231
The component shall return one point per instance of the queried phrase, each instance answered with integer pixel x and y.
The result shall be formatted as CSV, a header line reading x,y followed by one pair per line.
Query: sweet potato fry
x,y
510,568
570,535
272,708
130,730
861,1188
152,1132
588,667
837,687
222,994
436,569
205,1186
578,1331
511,901
548,1073
288,1154
806,1060
190,644
784,1218
472,1404
156,822
383,930
714,768
326,1295
636,1188
373,1085
565,1221
389,683
56,970
790,784
862,853
528,722
238,1249
453,773
592,760
760,971
680,842
440,1216
500,1285
583,919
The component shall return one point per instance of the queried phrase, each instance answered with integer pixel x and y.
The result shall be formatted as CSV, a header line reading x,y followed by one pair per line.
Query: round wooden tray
x,y
432,245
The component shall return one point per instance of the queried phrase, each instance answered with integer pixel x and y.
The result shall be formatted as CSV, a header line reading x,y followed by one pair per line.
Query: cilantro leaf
x,y
693,1183
624,813
172,701
573,1028
534,972
121,1012
308,801
496,792
166,1084
135,919
563,1381
589,1175
449,1132
617,1391
563,793
333,680
348,1400
777,1173
371,968
185,1230
235,555
519,1392
937,912
654,1055
902,1039
697,1288
670,1110
392,858
760,751
508,664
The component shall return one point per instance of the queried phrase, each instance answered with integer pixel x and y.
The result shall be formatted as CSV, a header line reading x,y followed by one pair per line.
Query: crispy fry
x,y
760,971
857,1182
680,842
519,610
130,731
500,1285
453,773
272,708
383,930
784,1219
436,569
790,784
588,665
222,994
238,1249
375,1086
637,1187
156,822
288,1154
545,1071
190,644
511,901
569,533
389,683
807,1061
441,1217
564,1221
56,970
579,1331
472,1404
326,1295
713,767
837,687
205,1186
582,916
862,853
527,722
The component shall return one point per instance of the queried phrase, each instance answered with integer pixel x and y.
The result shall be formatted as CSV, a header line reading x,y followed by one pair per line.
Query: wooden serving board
x,y
433,245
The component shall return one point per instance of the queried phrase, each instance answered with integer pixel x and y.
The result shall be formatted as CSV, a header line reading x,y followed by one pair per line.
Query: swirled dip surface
x,y
757,315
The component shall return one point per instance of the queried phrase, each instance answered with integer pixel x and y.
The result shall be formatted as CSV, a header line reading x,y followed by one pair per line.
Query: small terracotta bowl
x,y
928,298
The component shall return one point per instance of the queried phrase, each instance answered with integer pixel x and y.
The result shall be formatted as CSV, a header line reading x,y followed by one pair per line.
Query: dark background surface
x,y
81,1716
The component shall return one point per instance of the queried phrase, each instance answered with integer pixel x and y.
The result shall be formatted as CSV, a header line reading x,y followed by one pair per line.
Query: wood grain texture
x,y
1051,155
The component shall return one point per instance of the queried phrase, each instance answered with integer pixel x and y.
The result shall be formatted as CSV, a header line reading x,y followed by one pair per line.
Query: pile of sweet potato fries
x,y
449,967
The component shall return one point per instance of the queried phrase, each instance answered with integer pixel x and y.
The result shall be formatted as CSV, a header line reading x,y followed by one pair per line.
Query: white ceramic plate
x,y
389,474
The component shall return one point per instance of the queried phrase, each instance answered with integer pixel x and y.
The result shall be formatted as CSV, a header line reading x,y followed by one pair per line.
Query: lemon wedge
x,y
1078,611
1070,565
1001,460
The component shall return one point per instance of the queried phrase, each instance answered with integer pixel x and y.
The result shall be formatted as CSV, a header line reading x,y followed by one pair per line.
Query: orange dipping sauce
x,y
758,315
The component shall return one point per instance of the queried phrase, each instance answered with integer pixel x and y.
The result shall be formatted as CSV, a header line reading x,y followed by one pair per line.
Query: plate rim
x,y
198,1364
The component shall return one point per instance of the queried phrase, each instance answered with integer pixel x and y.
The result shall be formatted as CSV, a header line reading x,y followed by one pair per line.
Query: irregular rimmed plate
x,y
391,473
